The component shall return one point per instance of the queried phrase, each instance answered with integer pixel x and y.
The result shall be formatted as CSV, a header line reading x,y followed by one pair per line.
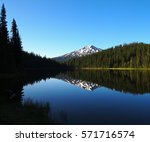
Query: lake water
x,y
94,97
81,97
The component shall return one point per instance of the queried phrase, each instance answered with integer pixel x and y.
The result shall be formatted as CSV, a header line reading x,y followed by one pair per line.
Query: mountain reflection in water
x,y
80,83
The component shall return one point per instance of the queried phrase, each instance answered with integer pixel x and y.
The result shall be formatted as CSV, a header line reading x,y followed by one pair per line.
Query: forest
x,y
133,55
12,57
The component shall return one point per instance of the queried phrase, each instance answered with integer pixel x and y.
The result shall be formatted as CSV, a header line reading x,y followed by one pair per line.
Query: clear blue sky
x,y
56,27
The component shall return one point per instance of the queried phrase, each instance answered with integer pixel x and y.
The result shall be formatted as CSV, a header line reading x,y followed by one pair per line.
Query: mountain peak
x,y
86,50
89,46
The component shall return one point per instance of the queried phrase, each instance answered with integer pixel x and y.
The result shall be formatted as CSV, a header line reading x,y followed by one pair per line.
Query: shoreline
x,y
21,74
121,69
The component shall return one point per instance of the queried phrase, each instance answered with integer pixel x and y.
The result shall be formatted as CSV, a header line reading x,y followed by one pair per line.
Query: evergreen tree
x,y
3,28
6,56
16,44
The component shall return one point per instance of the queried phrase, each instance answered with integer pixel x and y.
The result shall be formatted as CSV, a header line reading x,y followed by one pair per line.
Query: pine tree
x,y
5,57
16,44
3,28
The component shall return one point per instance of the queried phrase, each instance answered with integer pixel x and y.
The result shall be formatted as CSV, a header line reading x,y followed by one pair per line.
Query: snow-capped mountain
x,y
87,50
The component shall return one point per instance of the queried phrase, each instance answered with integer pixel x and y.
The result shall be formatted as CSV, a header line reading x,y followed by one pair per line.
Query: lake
x,y
87,97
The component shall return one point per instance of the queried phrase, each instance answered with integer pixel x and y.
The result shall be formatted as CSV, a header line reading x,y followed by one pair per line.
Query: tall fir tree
x,y
16,44
6,55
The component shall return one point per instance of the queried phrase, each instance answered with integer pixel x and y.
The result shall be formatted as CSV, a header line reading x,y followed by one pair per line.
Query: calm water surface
x,y
95,97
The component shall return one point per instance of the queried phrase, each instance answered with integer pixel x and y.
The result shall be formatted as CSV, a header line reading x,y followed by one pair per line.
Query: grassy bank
x,y
28,113
126,69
